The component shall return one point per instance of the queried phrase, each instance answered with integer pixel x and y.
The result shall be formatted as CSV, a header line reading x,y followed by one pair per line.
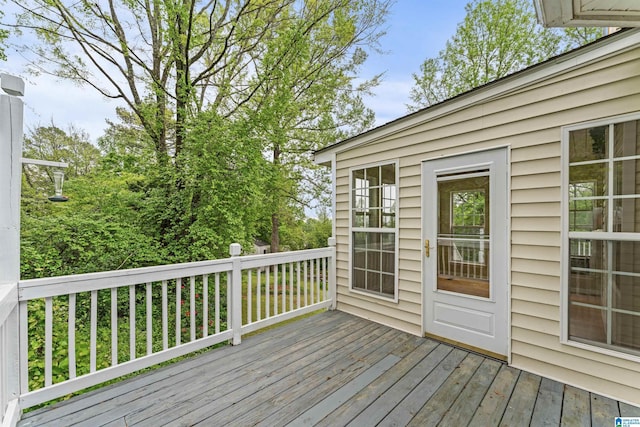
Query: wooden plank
x,y
235,377
303,331
467,402
523,399
367,396
346,392
197,403
439,404
603,410
394,395
283,400
575,407
120,422
412,403
313,390
495,401
548,404
627,410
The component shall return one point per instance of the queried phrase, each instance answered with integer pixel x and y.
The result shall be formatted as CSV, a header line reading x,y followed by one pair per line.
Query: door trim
x,y
425,286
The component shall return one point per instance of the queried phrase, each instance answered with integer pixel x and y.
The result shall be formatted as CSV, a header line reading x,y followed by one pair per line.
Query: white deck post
x,y
11,118
236,293
332,273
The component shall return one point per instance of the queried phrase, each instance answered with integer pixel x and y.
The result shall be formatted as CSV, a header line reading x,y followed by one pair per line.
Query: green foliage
x,y
4,34
126,146
98,229
318,230
75,243
496,38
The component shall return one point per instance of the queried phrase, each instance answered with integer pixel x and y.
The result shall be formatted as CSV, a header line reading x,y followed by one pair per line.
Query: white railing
x,y
81,330
463,257
9,385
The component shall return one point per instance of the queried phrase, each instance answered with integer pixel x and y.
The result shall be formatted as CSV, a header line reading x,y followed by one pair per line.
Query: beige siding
x,y
529,121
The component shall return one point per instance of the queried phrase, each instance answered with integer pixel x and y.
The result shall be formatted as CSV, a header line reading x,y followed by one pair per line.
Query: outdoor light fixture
x,y
58,176
58,182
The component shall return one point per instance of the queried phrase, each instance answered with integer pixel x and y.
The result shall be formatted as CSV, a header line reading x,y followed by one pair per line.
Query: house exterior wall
x,y
529,121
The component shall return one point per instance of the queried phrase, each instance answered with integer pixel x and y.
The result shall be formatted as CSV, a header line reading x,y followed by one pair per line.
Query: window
x,y
374,202
603,194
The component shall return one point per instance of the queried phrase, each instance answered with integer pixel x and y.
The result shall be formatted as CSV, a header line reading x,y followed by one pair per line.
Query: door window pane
x,y
463,239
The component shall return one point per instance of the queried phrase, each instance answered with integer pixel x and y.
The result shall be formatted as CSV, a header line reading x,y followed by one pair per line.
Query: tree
x,y
126,146
167,60
312,100
283,70
496,38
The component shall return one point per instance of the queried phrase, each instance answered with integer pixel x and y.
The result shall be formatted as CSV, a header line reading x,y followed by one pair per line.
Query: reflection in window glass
x,y
589,144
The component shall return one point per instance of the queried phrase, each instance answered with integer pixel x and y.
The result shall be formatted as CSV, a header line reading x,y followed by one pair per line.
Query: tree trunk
x,y
275,233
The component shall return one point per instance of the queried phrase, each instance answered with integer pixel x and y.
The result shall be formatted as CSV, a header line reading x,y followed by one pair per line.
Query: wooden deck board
x,y
229,392
520,407
495,401
577,407
364,399
435,408
548,408
334,369
469,399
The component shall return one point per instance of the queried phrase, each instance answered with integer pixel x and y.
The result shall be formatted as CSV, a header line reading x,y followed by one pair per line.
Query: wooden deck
x,y
333,369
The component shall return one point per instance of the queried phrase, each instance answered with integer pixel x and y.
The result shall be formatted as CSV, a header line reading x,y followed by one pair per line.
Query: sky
x,y
415,30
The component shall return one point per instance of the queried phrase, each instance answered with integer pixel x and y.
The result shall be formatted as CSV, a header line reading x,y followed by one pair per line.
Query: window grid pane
x,y
604,199
373,217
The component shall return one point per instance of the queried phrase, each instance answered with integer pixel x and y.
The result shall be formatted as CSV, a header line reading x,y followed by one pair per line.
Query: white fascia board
x,y
491,91
324,158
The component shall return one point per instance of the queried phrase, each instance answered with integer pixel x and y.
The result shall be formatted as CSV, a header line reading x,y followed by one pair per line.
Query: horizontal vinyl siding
x,y
529,121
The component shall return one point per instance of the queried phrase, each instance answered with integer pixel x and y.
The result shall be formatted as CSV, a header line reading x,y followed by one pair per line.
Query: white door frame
x,y
494,311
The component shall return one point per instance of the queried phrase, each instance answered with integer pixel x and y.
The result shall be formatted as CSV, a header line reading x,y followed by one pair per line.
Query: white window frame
x,y
601,235
394,230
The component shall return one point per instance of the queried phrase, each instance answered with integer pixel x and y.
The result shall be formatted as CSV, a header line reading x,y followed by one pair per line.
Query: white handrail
x,y
187,299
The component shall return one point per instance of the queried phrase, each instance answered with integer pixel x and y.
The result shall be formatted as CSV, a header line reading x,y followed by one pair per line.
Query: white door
x,y
466,249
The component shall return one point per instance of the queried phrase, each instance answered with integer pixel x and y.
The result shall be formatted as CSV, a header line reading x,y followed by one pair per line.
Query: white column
x,y
11,111
332,274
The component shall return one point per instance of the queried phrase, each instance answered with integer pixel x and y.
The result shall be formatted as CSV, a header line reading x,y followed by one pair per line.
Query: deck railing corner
x,y
9,356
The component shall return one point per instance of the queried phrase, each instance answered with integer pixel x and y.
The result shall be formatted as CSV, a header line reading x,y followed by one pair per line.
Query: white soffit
x,y
588,13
